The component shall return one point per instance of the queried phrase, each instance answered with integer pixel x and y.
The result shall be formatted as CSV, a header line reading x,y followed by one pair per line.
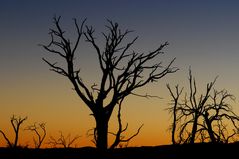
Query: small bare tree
x,y
40,132
122,71
202,117
173,109
62,141
16,124
118,136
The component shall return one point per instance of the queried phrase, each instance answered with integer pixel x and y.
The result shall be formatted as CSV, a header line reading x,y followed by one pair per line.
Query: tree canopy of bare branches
x,y
123,71
202,117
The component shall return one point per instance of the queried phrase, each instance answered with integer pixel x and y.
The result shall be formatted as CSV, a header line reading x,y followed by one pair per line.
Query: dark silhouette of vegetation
x,y
40,132
173,109
202,117
118,136
122,71
62,141
16,123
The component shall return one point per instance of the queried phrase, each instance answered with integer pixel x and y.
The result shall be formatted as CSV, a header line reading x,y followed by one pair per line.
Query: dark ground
x,y
226,151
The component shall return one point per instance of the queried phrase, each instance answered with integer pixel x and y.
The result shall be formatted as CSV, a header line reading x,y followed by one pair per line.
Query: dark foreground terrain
x,y
158,152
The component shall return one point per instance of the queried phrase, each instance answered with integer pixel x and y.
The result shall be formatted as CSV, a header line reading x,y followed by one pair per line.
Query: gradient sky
x,y
202,34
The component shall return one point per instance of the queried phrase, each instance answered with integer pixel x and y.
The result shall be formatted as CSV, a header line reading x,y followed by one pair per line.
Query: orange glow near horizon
x,y
57,104
71,116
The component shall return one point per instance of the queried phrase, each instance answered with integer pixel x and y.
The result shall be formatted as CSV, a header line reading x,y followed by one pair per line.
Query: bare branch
x,y
55,68
146,96
79,32
134,135
9,144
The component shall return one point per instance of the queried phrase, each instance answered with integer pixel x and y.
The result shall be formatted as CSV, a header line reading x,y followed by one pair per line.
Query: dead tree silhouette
x,y
173,109
16,124
217,115
40,131
202,117
62,141
122,71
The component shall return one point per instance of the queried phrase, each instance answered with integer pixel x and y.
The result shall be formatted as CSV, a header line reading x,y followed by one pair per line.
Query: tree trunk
x,y
194,129
210,132
209,128
16,137
174,124
102,132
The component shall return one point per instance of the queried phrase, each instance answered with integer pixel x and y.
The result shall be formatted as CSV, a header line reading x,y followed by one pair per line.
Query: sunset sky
x,y
202,34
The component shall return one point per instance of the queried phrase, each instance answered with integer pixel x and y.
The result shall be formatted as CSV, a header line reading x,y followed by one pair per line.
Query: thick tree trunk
x,y
209,128
210,132
101,132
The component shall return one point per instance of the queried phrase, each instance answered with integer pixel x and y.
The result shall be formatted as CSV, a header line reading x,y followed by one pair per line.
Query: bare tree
x,y
173,109
122,71
202,116
16,124
62,141
40,131
219,112
190,109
